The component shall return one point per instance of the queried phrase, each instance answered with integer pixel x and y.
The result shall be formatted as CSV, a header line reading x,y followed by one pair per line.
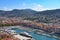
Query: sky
x,y
38,5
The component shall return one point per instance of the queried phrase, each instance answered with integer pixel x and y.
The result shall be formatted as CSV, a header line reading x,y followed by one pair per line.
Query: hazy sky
x,y
29,4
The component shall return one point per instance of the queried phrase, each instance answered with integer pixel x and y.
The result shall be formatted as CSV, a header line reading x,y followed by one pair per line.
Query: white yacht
x,y
24,36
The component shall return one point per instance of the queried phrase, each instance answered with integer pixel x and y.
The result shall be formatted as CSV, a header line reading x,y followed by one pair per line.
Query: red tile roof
x,y
8,37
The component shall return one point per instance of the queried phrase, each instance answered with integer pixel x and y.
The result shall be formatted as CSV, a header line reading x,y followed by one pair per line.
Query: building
x,y
57,30
7,37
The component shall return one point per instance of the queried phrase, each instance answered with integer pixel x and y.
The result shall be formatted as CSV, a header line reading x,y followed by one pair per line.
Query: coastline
x,y
32,30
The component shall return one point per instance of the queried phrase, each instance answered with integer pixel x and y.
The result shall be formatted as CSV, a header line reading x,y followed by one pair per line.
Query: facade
x,y
57,30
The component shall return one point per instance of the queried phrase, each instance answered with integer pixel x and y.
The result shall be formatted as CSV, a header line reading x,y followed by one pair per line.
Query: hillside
x,y
49,15
28,14
17,13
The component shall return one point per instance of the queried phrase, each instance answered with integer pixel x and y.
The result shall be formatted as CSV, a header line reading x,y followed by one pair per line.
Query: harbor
x,y
17,30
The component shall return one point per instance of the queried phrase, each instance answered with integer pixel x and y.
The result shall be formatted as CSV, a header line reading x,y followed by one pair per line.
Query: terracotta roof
x,y
8,37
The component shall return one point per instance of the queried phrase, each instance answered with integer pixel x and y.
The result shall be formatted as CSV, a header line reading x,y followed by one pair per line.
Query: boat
x,y
25,34
13,32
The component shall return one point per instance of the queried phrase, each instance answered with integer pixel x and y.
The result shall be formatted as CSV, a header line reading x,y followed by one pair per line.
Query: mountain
x,y
49,15
55,12
17,13
29,12
39,16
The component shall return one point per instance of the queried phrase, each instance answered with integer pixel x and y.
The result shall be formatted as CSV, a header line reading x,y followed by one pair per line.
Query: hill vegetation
x,y
48,16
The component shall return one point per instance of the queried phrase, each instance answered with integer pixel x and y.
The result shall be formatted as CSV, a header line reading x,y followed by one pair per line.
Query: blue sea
x,y
35,36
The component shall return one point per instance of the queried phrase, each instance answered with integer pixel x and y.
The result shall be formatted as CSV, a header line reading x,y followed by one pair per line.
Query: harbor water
x,y
36,36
